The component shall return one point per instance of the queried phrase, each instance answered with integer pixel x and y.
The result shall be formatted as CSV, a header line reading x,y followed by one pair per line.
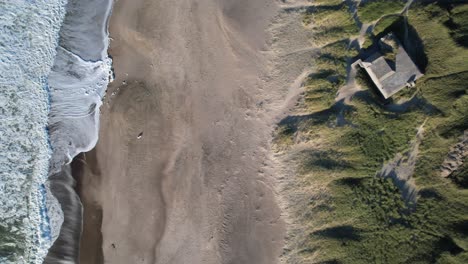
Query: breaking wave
x,y
54,71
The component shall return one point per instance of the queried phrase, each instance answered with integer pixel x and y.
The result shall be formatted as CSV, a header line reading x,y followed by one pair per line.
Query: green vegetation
x,y
379,228
460,176
458,23
329,76
350,215
379,134
284,136
331,23
328,2
368,41
384,23
373,10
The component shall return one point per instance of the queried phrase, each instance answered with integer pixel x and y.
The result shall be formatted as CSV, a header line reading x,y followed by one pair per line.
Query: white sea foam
x,y
28,40
81,70
78,80
76,89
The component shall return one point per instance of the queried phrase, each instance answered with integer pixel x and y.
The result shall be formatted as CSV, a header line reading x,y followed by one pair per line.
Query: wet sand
x,y
180,173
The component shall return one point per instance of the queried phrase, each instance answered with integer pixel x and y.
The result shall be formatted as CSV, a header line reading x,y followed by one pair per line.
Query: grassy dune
x,y
373,10
330,22
329,76
349,214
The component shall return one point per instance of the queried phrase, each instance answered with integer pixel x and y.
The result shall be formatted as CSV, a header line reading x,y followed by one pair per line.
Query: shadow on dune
x,y
344,232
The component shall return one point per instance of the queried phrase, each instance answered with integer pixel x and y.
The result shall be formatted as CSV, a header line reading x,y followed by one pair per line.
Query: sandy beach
x,y
180,172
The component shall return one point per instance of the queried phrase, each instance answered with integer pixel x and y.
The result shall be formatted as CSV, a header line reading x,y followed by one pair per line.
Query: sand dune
x,y
194,187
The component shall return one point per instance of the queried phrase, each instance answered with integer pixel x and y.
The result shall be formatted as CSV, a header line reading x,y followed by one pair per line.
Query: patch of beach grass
x,y
368,41
362,219
328,2
460,176
284,136
380,134
348,215
445,56
331,23
443,91
384,23
458,24
373,10
322,86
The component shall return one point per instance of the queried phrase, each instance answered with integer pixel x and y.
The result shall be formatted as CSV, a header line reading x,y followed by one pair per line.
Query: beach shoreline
x,y
180,173
76,85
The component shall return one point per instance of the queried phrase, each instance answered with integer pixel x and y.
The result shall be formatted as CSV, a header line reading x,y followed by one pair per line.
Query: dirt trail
x,y
401,168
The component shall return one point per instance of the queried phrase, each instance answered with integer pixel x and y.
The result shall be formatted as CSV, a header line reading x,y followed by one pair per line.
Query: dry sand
x,y
195,187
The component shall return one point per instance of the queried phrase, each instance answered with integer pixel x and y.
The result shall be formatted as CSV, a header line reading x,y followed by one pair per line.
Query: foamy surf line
x,y
54,71
28,36
78,81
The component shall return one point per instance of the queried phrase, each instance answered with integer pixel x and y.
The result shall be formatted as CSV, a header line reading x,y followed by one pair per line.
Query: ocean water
x,y
78,80
29,33
54,71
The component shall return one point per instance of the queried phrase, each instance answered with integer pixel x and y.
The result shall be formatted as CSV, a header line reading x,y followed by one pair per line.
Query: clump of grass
x,y
443,91
368,41
444,130
458,24
404,94
336,54
328,2
373,10
284,135
460,176
429,22
330,75
331,23
371,212
385,201
321,88
378,133
384,23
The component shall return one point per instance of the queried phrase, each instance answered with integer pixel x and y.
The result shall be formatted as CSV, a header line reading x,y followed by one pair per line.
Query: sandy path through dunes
x,y
194,188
